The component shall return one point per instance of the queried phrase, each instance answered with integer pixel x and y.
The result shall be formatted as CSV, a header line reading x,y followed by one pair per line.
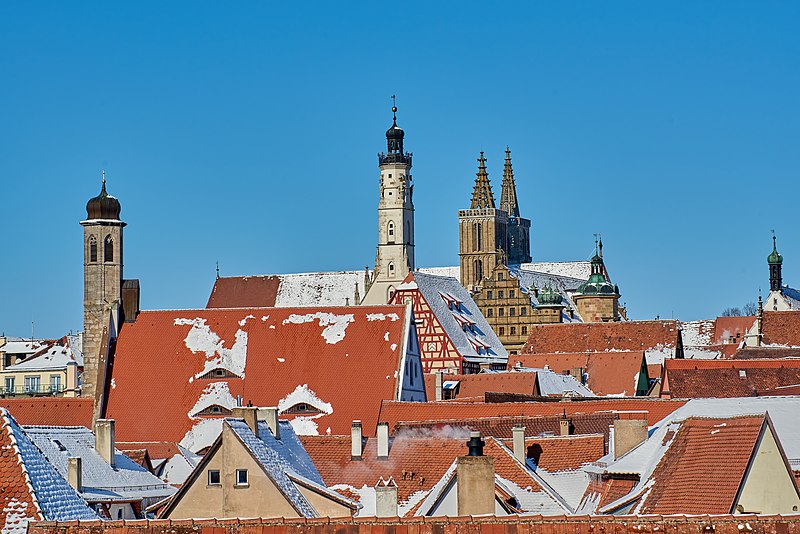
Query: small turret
x,y
482,196
775,262
103,206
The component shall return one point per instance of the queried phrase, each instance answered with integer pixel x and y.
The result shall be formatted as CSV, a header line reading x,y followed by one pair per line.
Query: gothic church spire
x,y
482,196
508,195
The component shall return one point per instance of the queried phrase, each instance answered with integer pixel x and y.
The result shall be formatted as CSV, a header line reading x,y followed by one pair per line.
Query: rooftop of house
x,y
475,385
606,373
781,328
55,357
54,411
658,339
102,482
394,412
457,313
295,358
728,378
32,489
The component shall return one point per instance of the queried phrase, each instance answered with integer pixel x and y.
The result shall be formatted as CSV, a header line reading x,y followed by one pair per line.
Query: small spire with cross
x,y
217,269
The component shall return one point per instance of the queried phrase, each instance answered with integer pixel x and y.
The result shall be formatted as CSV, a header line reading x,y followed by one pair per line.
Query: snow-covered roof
x,y
36,491
54,358
127,480
557,384
21,346
459,316
319,289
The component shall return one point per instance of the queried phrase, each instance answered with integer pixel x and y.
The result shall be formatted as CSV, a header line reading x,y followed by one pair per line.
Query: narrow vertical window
x,y
92,249
390,232
480,237
108,249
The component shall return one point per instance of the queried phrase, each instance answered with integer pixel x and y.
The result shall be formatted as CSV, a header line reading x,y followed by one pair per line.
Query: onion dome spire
x,y
598,283
774,257
775,262
395,134
103,206
508,195
482,196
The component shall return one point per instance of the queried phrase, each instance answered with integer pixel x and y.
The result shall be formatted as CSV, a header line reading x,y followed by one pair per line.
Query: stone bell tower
x,y
102,281
394,258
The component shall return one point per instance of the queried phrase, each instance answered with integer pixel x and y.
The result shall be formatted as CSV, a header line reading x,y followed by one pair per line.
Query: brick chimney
x,y
383,441
356,443
518,433
439,379
75,473
386,498
630,430
270,415
475,479
104,439
249,414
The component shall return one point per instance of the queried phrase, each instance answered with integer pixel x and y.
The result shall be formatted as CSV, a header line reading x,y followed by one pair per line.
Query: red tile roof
x,y
715,451
476,385
244,292
781,328
51,411
727,378
157,450
341,360
601,337
609,373
415,463
563,453
394,411
732,328
752,353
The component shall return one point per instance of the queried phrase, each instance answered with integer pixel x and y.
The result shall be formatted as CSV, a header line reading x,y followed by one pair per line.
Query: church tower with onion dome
x,y
394,258
102,282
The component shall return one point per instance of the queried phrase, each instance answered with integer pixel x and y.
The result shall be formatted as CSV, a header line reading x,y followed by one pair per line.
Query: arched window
x,y
478,271
477,237
108,249
391,268
92,249
390,231
389,293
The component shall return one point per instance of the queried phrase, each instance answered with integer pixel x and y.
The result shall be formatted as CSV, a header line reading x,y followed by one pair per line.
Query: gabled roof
x,y
126,481
563,453
781,328
457,313
752,353
55,357
607,373
417,462
731,329
550,384
31,488
55,411
287,290
393,411
475,385
286,357
658,339
727,378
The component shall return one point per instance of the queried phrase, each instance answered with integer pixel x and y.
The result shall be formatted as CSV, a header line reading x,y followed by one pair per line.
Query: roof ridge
x,y
9,422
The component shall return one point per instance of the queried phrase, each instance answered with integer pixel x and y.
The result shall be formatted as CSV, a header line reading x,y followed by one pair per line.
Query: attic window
x,y
214,409
742,373
60,445
219,373
214,478
302,408
241,477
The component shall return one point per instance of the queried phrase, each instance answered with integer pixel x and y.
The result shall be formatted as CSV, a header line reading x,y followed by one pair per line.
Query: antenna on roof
x,y
33,331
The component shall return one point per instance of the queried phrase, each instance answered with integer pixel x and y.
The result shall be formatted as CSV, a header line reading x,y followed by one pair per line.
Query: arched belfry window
x,y
391,268
108,249
390,231
92,249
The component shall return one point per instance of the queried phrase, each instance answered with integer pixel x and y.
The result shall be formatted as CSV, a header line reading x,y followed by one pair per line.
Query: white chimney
x,y
356,443
75,473
71,387
386,498
518,433
104,439
383,441
439,378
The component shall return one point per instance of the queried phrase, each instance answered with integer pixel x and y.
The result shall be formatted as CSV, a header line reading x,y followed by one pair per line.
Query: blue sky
x,y
247,133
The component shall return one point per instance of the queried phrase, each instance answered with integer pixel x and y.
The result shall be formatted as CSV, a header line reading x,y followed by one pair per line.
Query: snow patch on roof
x,y
382,316
202,434
202,339
335,325
305,425
216,393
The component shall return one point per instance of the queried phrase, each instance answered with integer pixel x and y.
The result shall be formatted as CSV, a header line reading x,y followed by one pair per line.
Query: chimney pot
x,y
270,415
475,444
356,443
518,432
250,416
383,441
75,473
104,439
563,427
475,485
628,434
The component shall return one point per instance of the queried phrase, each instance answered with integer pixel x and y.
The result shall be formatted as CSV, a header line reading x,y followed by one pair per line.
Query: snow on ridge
x,y
202,339
382,316
335,325
216,393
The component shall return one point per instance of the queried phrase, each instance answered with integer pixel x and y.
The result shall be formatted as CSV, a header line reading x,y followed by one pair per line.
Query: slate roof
x,y
126,481
453,307
394,412
31,488
55,411
658,339
727,378
271,356
475,385
607,373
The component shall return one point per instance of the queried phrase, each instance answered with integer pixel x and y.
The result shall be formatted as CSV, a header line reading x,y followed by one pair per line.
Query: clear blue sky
x,y
247,132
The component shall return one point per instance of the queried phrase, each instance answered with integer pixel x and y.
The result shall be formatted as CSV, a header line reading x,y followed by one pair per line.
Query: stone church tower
x,y
102,282
483,232
394,258
519,228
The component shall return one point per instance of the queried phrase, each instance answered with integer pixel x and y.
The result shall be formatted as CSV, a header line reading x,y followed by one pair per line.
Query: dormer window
x,y
302,408
214,409
219,372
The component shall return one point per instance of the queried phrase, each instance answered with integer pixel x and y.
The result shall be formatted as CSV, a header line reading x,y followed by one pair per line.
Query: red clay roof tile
x,y
601,337
244,292
52,411
476,385
728,378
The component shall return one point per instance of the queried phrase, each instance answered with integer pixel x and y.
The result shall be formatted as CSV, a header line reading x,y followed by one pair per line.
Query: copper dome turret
x,y
103,206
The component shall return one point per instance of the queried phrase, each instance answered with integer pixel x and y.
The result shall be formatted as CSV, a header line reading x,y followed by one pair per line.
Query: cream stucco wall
x,y
325,506
769,487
